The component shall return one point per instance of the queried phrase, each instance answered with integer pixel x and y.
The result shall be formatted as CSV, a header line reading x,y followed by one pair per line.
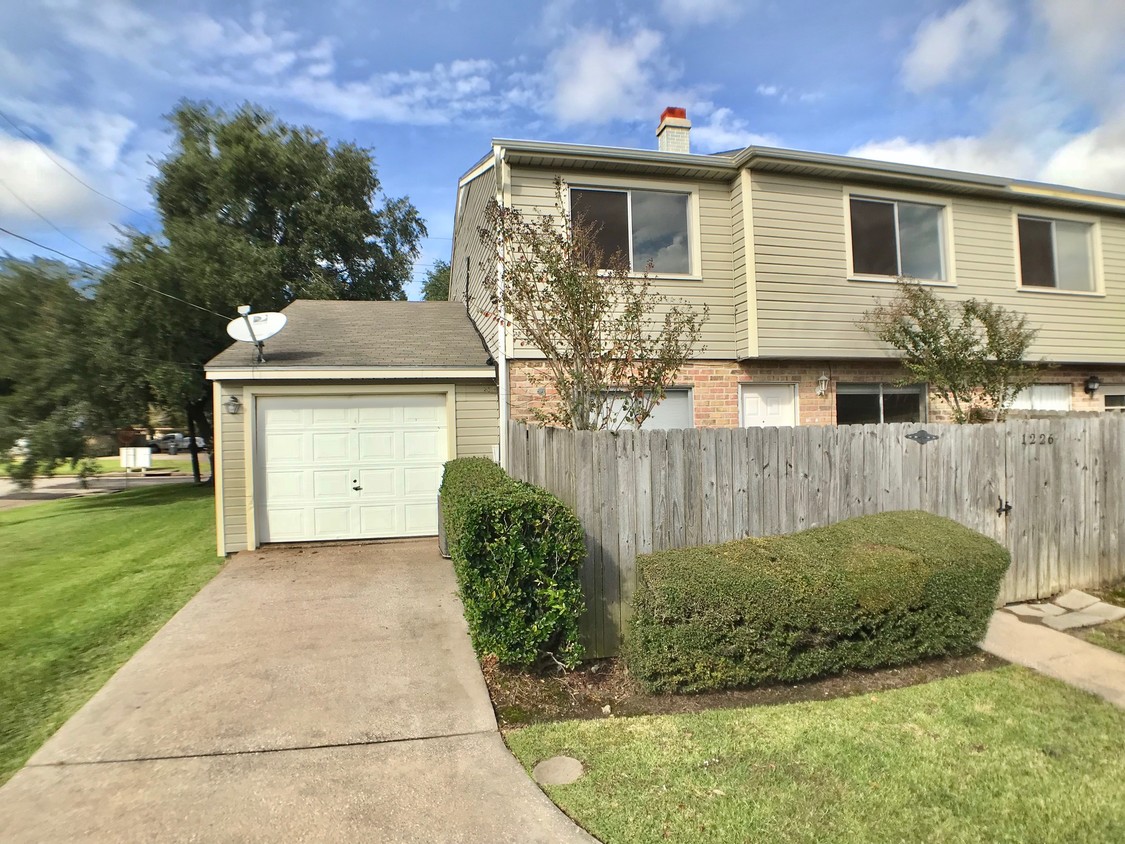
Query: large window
x,y
1043,397
675,411
1056,254
896,238
643,225
870,404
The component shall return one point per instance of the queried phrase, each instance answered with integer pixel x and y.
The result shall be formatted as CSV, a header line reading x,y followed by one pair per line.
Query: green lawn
x,y
1111,635
1004,755
84,583
113,464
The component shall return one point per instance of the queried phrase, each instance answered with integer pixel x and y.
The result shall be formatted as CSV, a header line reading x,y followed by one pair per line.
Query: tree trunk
x,y
197,414
193,446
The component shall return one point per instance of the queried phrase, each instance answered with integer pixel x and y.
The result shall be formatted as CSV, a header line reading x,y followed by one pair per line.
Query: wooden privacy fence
x,y
1051,490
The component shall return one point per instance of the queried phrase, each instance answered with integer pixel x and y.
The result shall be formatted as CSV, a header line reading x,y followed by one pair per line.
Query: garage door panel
x,y
420,519
331,483
379,483
377,446
332,522
380,520
423,445
420,480
314,451
285,485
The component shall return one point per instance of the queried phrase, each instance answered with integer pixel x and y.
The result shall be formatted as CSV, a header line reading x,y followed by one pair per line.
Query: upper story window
x,y
897,238
643,225
1056,254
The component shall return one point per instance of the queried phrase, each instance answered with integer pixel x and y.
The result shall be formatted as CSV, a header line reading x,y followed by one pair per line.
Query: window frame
x,y
880,195
689,389
695,256
921,389
1051,215
1112,390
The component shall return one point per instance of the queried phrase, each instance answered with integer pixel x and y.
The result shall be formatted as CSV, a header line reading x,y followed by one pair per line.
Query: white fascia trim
x,y
347,374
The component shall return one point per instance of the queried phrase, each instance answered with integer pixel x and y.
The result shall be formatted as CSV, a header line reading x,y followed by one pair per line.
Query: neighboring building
x,y
341,433
790,249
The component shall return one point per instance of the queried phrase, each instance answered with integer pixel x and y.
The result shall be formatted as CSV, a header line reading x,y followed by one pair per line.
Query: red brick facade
x,y
715,386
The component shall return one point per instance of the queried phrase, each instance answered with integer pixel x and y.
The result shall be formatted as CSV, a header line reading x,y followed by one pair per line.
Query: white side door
x,y
769,405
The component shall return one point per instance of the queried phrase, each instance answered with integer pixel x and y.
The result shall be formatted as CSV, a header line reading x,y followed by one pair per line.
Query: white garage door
x,y
349,467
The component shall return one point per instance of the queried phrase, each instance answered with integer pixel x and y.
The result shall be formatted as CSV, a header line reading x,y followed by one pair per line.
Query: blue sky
x,y
1027,88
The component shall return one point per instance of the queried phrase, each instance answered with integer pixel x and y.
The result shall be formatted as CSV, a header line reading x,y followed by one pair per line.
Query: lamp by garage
x,y
232,405
822,385
1093,384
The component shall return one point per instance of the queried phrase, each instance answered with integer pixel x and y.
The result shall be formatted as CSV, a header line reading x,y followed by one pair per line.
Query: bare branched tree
x,y
611,344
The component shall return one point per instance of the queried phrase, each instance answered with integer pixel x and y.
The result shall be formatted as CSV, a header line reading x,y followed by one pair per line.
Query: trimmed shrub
x,y
870,592
517,551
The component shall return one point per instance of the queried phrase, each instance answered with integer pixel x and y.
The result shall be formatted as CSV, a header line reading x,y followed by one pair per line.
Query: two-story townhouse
x,y
789,249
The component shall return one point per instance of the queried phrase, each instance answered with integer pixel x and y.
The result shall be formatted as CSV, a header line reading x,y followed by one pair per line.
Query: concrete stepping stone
x,y
558,770
1075,600
1050,609
1106,612
1028,611
1073,620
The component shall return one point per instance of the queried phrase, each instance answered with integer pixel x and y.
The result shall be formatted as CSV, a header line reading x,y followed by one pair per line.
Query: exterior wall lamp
x,y
822,385
232,405
1093,383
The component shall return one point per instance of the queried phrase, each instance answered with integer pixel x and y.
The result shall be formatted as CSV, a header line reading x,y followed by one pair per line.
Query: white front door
x,y
768,405
348,467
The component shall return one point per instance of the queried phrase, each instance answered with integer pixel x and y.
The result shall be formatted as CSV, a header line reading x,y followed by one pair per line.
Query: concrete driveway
x,y
310,694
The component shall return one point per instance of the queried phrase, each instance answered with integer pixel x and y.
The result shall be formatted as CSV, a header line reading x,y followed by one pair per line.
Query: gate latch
x,y
1005,507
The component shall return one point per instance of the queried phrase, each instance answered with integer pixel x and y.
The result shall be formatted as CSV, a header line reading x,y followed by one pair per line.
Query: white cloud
x,y
700,11
27,172
724,131
1094,159
597,77
952,46
970,154
788,95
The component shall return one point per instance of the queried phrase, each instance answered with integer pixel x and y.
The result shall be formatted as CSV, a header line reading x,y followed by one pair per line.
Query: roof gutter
x,y
345,373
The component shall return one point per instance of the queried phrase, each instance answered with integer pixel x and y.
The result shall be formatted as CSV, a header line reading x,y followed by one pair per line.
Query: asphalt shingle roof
x,y
332,333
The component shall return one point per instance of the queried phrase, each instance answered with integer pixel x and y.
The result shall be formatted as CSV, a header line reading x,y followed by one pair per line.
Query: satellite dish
x,y
254,328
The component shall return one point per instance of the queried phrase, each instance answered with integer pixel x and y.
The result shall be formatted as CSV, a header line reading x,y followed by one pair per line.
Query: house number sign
x,y
1038,439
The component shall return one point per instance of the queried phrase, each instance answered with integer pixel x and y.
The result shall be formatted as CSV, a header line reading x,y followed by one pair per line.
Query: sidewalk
x,y
1057,655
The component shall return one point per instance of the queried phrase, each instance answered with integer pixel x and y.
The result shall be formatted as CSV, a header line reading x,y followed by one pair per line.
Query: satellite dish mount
x,y
255,328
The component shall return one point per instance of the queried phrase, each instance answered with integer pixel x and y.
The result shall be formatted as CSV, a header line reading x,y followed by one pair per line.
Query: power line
x,y
67,170
126,280
27,205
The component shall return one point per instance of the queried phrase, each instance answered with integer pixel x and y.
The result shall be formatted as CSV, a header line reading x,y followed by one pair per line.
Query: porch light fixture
x,y
232,405
822,385
1093,383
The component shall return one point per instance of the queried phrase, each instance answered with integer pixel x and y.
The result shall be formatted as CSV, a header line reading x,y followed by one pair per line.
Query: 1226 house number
x,y
1038,439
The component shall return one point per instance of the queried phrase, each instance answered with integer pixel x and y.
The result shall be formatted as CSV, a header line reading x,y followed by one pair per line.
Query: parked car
x,y
174,444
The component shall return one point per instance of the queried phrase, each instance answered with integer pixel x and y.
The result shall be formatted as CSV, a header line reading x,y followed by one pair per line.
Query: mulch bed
x,y
604,689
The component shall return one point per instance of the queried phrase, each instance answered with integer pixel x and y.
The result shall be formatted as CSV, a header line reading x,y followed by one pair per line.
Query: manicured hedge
x,y
875,591
517,551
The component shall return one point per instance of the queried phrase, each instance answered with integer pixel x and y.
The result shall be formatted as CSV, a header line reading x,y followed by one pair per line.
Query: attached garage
x,y
342,432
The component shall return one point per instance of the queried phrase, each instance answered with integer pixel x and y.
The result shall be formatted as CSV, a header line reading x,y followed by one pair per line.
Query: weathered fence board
x,y
642,491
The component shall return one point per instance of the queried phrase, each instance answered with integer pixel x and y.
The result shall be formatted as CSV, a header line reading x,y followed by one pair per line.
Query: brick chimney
x,y
673,133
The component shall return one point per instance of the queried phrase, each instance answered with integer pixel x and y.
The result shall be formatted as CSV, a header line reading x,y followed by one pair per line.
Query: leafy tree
x,y
971,354
611,344
436,286
252,211
48,381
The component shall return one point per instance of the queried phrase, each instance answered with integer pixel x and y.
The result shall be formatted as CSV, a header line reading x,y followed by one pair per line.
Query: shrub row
x,y
517,551
875,591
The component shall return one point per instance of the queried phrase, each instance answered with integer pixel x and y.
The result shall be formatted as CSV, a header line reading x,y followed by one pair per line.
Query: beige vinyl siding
x,y
533,192
807,307
231,468
738,258
478,420
477,434
472,258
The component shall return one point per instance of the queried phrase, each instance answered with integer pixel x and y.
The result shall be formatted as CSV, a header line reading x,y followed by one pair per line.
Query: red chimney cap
x,y
674,111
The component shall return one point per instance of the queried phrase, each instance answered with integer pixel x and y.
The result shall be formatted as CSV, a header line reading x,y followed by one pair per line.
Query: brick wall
x,y
715,386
